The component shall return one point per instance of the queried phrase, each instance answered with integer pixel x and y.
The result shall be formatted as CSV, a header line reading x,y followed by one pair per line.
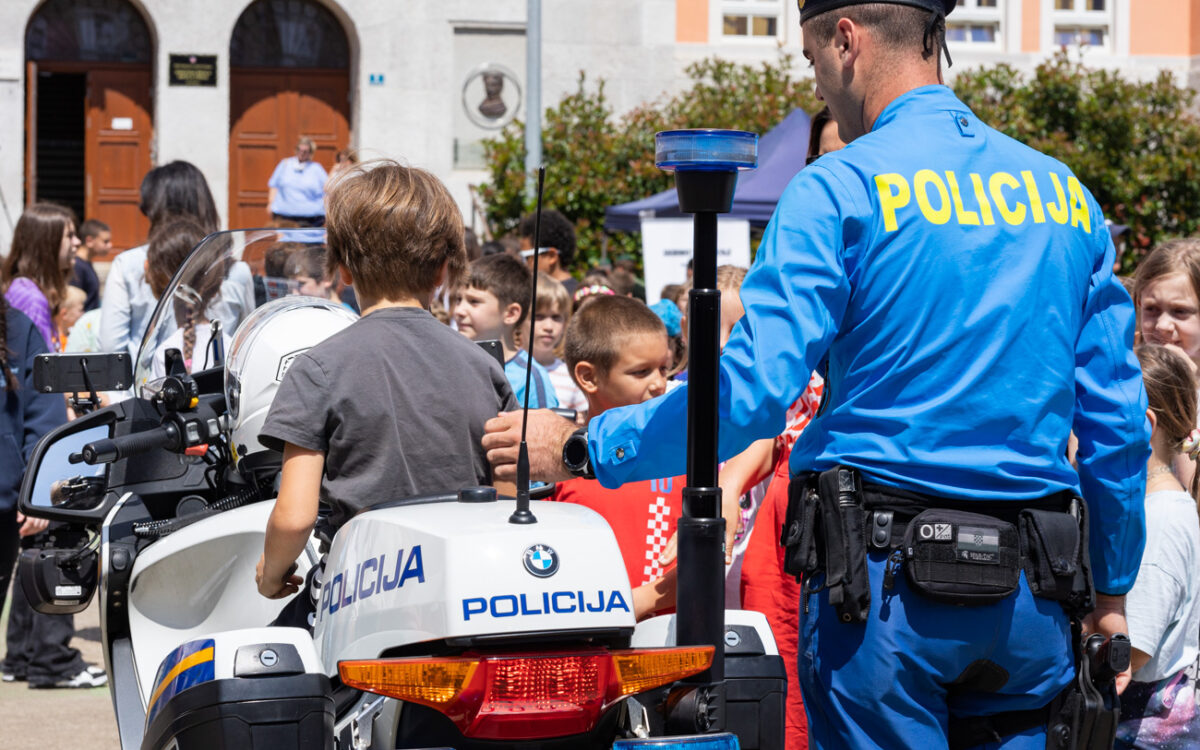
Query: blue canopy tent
x,y
781,155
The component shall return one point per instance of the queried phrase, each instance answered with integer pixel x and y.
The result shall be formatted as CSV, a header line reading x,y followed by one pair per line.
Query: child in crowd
x,y
94,239
1159,708
169,246
616,349
492,305
557,252
38,264
543,338
70,310
306,268
396,234
1166,291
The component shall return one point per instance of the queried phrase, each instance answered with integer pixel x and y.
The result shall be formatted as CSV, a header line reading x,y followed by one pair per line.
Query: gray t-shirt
x,y
397,403
1163,607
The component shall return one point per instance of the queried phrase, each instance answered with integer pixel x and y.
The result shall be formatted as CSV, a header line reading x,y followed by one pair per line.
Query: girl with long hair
x,y
1159,708
38,264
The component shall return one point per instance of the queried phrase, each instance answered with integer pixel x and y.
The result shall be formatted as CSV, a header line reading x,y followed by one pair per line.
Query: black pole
x,y
700,596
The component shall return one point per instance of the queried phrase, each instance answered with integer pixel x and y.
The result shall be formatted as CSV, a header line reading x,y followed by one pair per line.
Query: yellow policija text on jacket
x,y
1017,201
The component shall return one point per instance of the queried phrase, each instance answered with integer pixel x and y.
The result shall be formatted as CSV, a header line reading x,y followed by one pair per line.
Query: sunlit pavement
x,y
60,718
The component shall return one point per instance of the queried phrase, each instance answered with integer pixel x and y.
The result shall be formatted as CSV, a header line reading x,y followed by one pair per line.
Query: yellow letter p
x,y
894,194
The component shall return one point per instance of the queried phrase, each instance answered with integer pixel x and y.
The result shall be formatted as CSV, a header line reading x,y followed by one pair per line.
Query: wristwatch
x,y
575,455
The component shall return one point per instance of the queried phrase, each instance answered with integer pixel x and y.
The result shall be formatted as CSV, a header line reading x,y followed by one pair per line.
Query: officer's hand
x,y
1108,619
274,587
546,435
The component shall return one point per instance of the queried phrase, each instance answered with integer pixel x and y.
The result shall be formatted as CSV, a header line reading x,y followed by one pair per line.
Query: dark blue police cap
x,y
810,8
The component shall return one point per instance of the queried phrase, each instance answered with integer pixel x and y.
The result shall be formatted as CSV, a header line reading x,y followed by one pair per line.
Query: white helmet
x,y
263,348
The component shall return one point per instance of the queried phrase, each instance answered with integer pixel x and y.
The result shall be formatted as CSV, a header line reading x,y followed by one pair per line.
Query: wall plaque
x,y
192,70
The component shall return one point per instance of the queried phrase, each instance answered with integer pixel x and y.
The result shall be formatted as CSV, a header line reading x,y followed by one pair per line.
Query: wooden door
x,y
31,74
269,110
117,150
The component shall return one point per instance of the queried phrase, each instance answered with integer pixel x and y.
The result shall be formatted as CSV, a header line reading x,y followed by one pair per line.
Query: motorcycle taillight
x,y
525,696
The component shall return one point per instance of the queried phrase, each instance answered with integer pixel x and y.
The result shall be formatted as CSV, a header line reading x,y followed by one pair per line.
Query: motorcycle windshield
x,y
222,281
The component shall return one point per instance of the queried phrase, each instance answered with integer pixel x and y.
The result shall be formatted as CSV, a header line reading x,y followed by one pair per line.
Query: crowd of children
x,y
588,344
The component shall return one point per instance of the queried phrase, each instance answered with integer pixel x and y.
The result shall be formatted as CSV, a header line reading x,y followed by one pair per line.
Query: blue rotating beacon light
x,y
706,165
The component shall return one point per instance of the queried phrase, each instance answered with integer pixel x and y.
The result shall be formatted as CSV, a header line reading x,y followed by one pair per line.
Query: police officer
x,y
957,286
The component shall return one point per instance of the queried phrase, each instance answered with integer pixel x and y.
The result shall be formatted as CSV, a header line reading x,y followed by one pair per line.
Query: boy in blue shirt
x,y
494,302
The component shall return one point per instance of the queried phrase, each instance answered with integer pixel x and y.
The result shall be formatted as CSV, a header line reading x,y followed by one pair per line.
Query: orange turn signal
x,y
430,682
639,670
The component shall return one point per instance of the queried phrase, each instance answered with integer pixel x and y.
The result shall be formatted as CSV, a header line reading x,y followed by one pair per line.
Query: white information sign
x,y
667,248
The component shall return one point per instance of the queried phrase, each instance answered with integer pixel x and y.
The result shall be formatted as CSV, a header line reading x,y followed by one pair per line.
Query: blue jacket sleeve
x,y
795,297
1111,425
42,411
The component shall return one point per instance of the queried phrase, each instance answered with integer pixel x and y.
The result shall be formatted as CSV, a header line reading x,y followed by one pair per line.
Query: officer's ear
x,y
848,39
587,376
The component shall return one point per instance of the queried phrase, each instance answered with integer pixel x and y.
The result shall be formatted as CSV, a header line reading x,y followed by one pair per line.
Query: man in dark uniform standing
x,y
957,285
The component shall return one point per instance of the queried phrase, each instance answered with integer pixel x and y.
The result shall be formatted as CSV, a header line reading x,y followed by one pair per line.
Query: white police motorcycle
x,y
439,623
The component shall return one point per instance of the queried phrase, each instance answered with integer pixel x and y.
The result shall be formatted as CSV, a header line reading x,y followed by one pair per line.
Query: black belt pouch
x,y
1056,556
962,558
799,535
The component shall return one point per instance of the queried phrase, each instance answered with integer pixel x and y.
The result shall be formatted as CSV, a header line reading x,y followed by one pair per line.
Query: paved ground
x,y
76,719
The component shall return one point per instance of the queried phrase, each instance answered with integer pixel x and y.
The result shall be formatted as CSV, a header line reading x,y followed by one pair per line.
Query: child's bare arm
x,y
291,521
655,596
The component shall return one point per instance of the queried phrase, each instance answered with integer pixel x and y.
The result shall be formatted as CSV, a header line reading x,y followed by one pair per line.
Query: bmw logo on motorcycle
x,y
541,560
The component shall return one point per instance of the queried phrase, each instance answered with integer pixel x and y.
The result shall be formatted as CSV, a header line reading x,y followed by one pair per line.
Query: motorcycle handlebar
x,y
113,449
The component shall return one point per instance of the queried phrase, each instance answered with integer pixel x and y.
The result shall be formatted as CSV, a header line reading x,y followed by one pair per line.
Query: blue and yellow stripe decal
x,y
185,667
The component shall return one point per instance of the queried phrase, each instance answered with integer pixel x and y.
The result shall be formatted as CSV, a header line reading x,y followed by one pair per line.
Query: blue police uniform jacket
x,y
27,414
959,284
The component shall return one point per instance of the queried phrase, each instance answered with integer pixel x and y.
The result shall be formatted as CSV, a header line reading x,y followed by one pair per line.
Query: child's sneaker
x,y
12,677
91,677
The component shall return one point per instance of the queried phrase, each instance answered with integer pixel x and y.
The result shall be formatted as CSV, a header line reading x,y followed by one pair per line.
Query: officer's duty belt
x,y
961,551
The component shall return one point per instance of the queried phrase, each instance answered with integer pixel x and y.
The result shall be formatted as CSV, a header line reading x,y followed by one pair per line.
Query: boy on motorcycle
x,y
395,404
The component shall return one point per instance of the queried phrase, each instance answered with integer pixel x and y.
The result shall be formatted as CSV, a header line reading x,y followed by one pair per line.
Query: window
x,y
975,22
1082,23
751,19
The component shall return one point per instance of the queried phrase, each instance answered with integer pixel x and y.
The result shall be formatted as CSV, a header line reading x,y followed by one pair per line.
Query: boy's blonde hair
x,y
598,330
393,227
552,294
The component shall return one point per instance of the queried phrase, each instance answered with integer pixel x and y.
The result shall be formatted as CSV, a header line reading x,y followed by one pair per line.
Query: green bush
x,y
1134,145
595,159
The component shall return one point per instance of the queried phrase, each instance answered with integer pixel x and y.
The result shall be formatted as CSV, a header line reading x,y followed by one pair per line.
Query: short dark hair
x,y
504,277
275,258
899,27
169,246
393,227
178,189
91,228
557,232
598,330
471,243
307,260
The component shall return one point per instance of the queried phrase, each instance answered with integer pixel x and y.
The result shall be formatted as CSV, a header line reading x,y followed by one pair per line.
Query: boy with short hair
x,y
557,246
396,234
95,238
616,349
493,303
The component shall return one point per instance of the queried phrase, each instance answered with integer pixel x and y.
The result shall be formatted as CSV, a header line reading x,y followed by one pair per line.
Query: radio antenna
x,y
522,514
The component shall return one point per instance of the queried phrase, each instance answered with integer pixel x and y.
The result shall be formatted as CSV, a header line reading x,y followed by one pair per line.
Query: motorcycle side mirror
x,y
62,489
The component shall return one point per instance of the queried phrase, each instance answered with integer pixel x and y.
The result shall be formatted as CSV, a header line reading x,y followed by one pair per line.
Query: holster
x,y
823,533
